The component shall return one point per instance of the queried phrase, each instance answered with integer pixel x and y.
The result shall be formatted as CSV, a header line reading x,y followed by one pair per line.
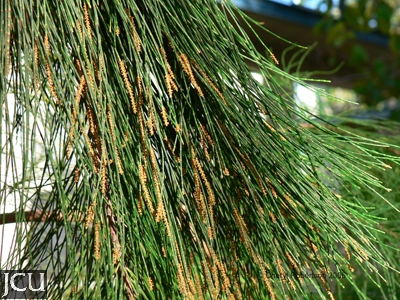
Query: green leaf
x,y
384,13
358,55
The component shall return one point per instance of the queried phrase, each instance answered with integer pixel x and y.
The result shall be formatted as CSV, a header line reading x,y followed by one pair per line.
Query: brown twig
x,y
30,216
116,243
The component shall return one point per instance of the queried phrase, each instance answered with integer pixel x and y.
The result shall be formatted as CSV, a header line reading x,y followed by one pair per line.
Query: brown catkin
x,y
164,116
281,270
47,44
36,53
91,151
210,232
363,255
216,290
161,214
261,209
151,284
92,124
110,123
198,194
273,191
199,288
76,175
104,179
142,136
274,59
267,282
350,268
90,215
226,172
71,135
169,76
272,217
226,283
242,229
102,67
151,119
181,280
136,38
292,285
91,78
171,86
294,265
212,85
140,205
51,83
36,64
331,295
288,199
87,20
116,254
237,291
126,139
244,186
48,71
211,197
119,163
151,123
143,181
140,89
128,85
153,161
346,250
79,29
207,135
205,148
206,274
314,247
97,241
269,126
187,68
192,289
81,87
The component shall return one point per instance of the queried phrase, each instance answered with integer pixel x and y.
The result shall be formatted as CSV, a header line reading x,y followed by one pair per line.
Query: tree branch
x,y
30,216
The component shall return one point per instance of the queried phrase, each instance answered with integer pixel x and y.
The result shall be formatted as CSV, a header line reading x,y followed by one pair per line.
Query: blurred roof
x,y
295,23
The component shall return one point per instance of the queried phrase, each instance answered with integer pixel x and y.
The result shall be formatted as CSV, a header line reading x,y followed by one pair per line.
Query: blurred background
x,y
353,44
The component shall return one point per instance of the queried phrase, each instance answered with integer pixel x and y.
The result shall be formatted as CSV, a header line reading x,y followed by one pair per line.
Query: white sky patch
x,y
19,147
306,99
258,77
10,170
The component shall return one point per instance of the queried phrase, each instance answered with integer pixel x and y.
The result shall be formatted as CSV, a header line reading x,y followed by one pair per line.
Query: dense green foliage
x,y
168,171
